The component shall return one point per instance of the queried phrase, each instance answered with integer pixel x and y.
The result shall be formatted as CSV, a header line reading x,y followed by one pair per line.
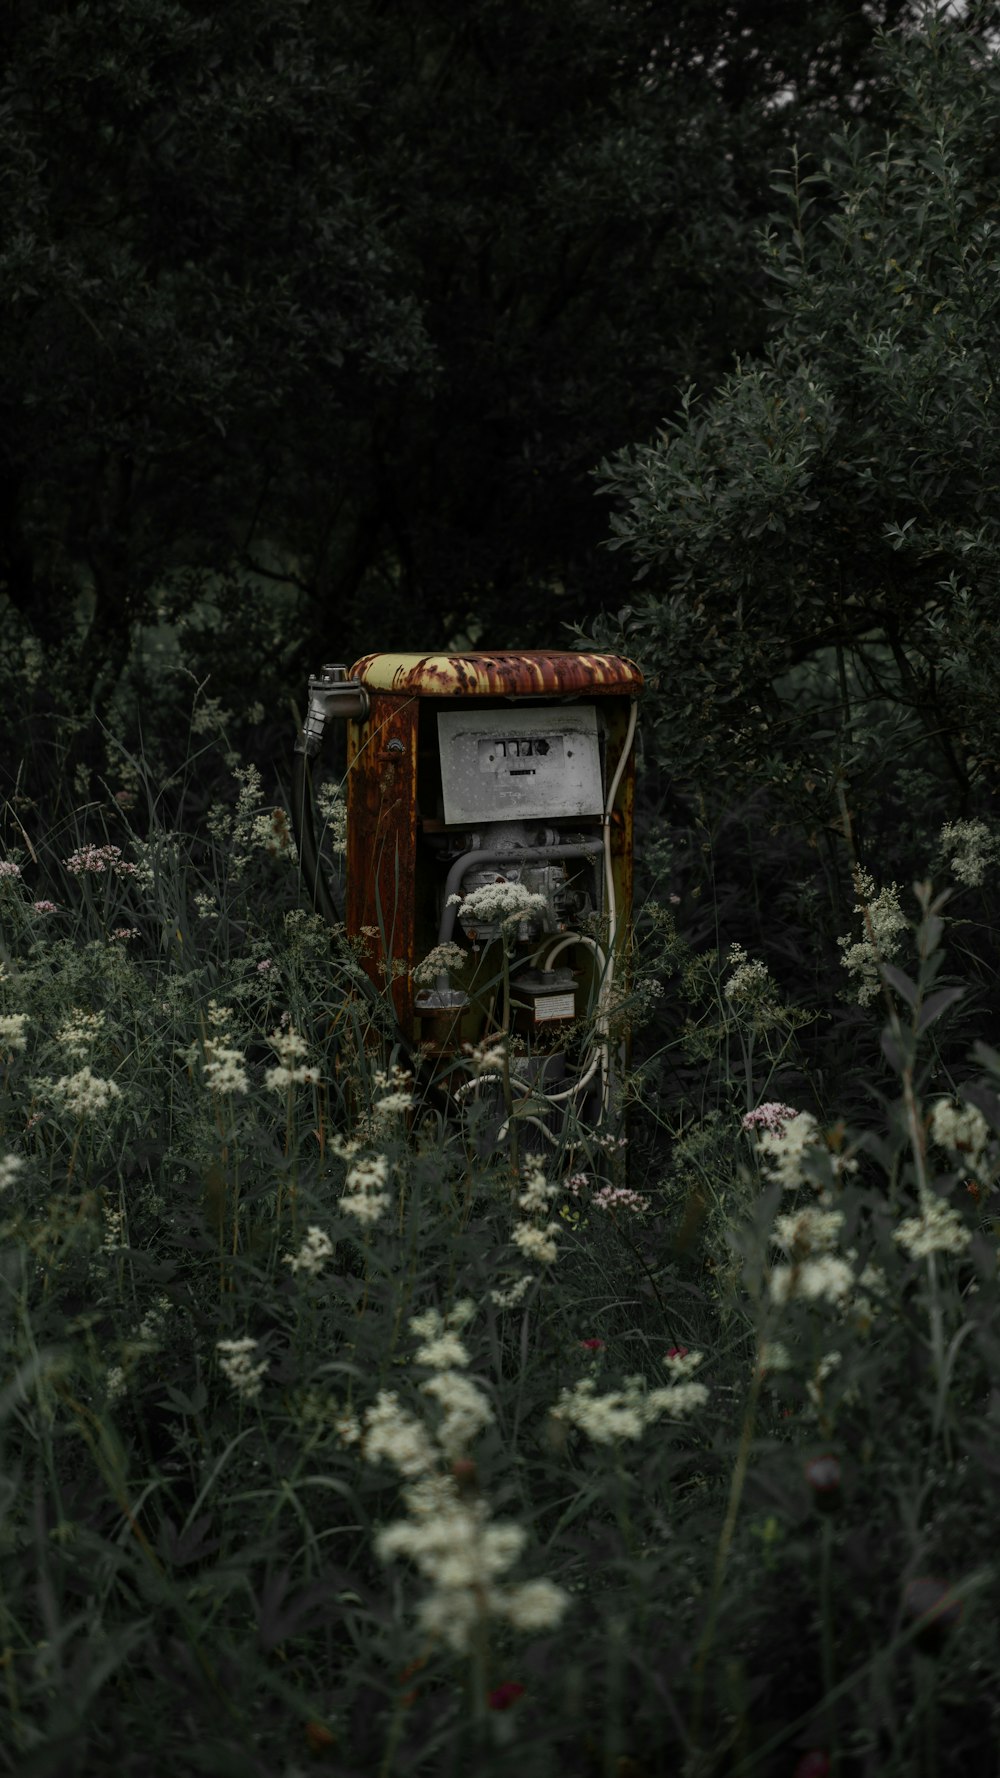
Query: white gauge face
x,y
519,764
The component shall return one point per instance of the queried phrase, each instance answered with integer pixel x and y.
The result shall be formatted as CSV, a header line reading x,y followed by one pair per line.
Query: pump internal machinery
x,y
489,803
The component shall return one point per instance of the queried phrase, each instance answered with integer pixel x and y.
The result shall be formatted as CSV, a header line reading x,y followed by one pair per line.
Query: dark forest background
x,y
668,327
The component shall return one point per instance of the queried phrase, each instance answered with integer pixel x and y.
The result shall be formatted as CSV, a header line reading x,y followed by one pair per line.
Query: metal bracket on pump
x,y
331,693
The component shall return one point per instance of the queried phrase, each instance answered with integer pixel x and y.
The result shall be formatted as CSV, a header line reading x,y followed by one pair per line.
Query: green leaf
x,y
936,1004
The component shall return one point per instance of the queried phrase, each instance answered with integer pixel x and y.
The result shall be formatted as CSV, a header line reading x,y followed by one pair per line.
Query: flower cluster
x,y
938,1229
85,1094
446,959
458,1549
625,1413
225,1068
535,1241
751,991
394,1086
12,1034
10,1166
78,1034
771,1118
963,1130
365,1195
313,1254
883,920
98,861
974,849
332,807
288,1071
237,1366
442,1349
786,1144
814,1272
9,869
620,1197
502,903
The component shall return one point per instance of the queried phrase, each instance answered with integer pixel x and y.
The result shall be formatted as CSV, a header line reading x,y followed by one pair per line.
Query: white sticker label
x,y
555,1006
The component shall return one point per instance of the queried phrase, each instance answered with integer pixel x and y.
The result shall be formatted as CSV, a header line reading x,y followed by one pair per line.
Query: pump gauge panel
x,y
522,764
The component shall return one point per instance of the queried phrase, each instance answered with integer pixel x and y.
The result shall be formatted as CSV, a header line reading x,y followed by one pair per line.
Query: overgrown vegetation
x,y
333,1437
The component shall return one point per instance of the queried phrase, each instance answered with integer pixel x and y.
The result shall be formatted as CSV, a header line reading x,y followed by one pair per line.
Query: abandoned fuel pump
x,y
489,855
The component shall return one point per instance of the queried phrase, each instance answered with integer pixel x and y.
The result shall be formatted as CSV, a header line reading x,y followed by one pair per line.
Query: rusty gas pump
x,y
489,855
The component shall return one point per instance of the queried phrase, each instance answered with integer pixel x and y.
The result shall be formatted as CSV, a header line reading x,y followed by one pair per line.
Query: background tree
x,y
345,302
821,534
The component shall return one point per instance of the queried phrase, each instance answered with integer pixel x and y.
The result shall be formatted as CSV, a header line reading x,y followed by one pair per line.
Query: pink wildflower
x,y
619,1197
575,1182
592,1345
771,1117
98,860
8,868
44,907
678,1351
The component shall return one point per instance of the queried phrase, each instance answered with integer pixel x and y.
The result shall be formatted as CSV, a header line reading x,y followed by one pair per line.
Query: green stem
x,y
826,1628
736,1487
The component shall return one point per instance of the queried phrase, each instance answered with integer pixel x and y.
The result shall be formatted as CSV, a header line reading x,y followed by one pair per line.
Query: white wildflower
x,y
365,1195
333,809
85,1094
288,1072
682,1364
10,1166
807,1231
538,1190
677,1400
392,1435
536,1243
347,1427
938,1229
750,990
115,1383
446,959
826,1279
774,1356
515,1293
961,1128
9,869
80,1031
442,1351
114,1230
465,1410
238,1368
621,1413
535,1605
883,920
463,1555
12,1037
206,905
787,1148
315,1250
502,903
975,849
225,1068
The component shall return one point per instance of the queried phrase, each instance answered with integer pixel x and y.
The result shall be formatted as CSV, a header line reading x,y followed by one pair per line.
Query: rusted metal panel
x,y
528,673
382,842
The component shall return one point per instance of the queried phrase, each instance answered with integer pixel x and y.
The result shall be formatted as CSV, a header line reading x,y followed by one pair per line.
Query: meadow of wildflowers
x,y
335,1439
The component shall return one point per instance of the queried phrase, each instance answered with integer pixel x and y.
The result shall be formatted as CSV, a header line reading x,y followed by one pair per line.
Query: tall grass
x,y
334,1440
